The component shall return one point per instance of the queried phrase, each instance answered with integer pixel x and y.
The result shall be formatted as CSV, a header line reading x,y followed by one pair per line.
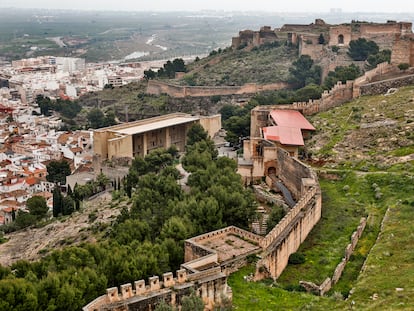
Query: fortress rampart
x,y
177,91
286,237
211,257
381,87
211,286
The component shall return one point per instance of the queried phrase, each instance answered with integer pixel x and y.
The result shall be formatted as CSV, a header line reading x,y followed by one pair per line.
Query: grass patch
x,y
390,265
267,295
403,151
343,206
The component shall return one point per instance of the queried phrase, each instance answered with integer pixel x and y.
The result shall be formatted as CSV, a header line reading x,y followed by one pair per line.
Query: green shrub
x,y
403,66
296,259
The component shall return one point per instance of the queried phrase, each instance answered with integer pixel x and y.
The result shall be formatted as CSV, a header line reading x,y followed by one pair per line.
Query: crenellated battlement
x,y
139,289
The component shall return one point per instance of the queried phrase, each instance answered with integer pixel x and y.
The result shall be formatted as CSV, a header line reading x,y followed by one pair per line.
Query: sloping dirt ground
x,y
32,243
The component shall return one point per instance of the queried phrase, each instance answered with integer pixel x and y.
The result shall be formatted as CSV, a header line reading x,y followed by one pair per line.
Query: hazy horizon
x,y
300,6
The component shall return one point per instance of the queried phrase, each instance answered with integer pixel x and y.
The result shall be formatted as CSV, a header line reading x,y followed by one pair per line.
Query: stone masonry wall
x,y
288,235
291,171
145,297
329,282
381,87
157,87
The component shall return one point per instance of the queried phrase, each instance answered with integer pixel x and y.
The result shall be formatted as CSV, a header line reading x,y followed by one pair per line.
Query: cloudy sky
x,y
236,5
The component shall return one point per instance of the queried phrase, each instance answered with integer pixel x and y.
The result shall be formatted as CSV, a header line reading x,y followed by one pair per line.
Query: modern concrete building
x,y
140,137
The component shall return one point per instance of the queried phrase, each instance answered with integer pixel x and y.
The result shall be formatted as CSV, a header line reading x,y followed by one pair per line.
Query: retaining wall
x,y
349,249
158,87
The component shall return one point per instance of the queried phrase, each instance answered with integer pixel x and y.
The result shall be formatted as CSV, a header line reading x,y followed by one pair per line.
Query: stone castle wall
x,y
381,87
403,50
289,234
329,282
339,94
145,297
157,88
291,172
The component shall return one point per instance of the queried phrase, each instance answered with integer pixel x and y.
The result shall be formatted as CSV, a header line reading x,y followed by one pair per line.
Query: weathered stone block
x,y
126,291
140,287
112,294
181,276
168,279
154,283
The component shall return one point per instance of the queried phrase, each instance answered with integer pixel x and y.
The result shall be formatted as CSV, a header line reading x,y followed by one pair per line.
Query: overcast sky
x,y
233,5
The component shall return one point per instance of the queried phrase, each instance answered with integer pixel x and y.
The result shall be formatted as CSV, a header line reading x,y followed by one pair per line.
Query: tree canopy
x,y
57,171
67,108
98,119
303,72
361,48
37,206
167,71
343,74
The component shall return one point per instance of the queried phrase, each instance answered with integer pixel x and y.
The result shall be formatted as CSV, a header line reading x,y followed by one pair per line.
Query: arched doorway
x,y
341,39
271,171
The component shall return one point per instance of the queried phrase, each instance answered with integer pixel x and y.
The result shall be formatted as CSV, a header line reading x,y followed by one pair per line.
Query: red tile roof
x,y
10,209
291,118
31,181
285,135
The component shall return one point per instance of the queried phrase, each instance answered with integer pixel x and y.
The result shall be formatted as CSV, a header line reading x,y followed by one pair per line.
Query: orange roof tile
x,y
32,181
291,118
285,135
10,209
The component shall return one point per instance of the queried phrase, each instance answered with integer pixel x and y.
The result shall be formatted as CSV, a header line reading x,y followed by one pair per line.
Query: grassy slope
x,y
360,163
263,65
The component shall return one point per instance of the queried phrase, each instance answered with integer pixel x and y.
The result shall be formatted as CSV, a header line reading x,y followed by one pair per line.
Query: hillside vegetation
x,y
265,64
364,154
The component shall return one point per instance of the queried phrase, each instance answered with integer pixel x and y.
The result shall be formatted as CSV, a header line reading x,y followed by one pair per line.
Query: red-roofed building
x,y
9,213
5,110
289,136
288,127
271,128
290,118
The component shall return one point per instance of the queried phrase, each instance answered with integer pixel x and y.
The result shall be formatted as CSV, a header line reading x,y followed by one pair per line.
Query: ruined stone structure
x,y
211,257
403,50
177,91
381,33
396,36
254,38
138,138
329,282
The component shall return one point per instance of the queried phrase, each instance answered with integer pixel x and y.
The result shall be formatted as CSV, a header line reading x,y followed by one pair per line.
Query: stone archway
x,y
271,171
341,39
